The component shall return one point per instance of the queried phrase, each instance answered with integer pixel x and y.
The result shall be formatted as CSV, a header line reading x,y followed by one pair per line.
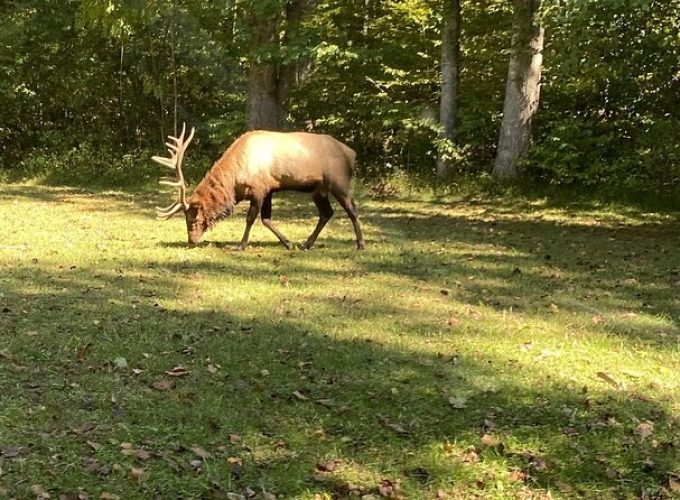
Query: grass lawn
x,y
490,349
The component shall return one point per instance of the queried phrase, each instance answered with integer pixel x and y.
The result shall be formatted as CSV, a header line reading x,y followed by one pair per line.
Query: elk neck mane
x,y
216,191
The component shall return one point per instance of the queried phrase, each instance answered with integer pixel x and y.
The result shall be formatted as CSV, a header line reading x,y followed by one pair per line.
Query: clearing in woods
x,y
490,348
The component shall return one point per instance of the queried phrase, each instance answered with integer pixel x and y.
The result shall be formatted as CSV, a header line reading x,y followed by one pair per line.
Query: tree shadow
x,y
589,268
221,399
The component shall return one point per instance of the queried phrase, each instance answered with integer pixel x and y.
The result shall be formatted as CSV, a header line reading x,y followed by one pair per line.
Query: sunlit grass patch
x,y
494,349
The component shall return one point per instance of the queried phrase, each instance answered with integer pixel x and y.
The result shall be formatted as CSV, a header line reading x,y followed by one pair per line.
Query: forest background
x,y
91,88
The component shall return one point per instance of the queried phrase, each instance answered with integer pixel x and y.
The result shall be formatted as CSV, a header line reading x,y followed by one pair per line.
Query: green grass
x,y
457,356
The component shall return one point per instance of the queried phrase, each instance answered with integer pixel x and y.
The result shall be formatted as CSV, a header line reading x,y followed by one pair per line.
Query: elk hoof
x,y
241,248
287,245
361,245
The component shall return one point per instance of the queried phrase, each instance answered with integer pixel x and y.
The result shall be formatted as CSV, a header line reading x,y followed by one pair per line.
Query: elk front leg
x,y
325,214
251,217
267,221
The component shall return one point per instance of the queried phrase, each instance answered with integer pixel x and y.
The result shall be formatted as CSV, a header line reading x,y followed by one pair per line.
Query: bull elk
x,y
257,165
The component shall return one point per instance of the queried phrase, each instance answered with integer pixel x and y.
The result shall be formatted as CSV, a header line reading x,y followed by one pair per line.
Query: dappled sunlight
x,y
418,365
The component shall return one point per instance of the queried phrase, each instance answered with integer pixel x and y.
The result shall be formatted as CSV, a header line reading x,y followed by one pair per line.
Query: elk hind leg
x,y
347,202
325,213
266,216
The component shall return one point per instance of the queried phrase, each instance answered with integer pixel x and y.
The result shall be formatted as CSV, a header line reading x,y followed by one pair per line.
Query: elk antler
x,y
175,163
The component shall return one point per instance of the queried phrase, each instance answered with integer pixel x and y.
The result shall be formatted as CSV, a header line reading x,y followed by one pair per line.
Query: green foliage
x,y
89,165
609,111
107,73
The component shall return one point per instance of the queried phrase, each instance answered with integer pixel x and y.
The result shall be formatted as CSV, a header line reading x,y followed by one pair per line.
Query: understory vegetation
x,y
495,348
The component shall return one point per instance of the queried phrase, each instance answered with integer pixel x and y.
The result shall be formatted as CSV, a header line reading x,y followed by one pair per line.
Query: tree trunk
x,y
264,109
270,79
450,69
522,88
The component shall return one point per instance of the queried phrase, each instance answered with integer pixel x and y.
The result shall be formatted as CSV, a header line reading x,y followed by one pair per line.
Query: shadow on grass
x,y
105,371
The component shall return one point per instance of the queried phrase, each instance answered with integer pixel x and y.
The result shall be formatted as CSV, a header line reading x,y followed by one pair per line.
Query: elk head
x,y
193,212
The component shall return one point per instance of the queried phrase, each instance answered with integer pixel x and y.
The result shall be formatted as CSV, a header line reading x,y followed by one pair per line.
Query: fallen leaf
x,y
458,402
644,430
470,456
234,438
38,491
91,464
235,465
609,380
136,473
162,385
201,452
177,371
10,451
547,353
394,426
300,396
328,466
129,452
526,346
211,368
328,403
388,488
570,431
564,487
95,446
80,430
108,496
80,357
517,475
453,322
120,363
489,440
674,484
539,465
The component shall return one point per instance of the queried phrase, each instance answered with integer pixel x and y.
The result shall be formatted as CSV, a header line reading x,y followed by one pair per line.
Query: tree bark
x,y
265,112
522,89
264,109
271,78
450,70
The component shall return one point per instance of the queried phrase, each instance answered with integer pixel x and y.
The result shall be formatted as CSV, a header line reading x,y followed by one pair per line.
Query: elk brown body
x,y
257,165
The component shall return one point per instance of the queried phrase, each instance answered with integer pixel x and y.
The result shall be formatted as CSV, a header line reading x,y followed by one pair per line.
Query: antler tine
x,y
179,140
174,162
166,162
167,212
